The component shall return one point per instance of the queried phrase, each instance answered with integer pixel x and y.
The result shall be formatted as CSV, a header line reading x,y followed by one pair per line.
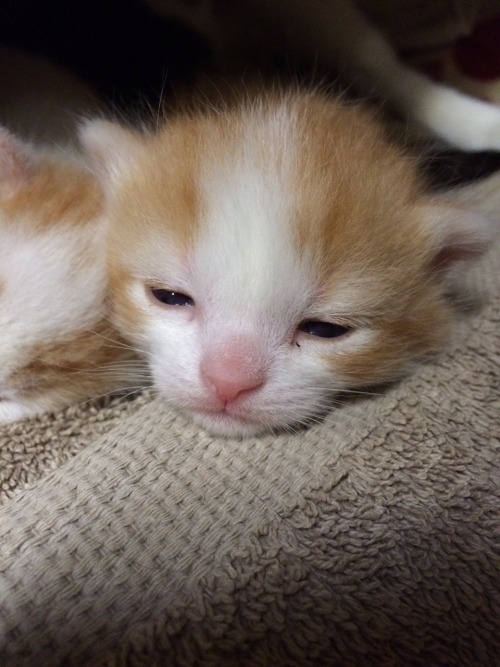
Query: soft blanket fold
x,y
370,539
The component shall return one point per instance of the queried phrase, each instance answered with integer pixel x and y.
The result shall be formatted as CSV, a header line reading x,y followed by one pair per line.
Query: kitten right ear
x,y
460,236
110,147
15,163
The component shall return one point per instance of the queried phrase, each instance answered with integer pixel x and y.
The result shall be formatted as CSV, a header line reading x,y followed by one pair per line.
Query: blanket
x,y
135,538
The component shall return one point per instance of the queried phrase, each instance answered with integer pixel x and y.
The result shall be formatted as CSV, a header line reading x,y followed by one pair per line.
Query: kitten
x,y
271,253
337,35
56,346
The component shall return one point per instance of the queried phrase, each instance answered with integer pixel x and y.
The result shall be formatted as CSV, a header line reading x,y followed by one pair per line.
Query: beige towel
x,y
371,539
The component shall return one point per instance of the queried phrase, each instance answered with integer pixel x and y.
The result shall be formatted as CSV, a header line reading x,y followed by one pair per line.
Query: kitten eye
x,y
323,329
170,298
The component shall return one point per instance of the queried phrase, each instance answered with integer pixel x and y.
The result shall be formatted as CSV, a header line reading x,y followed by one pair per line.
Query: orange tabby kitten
x,y
56,346
271,253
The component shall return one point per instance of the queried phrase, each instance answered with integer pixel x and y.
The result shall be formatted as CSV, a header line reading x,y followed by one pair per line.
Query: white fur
x,y
51,267
48,292
11,411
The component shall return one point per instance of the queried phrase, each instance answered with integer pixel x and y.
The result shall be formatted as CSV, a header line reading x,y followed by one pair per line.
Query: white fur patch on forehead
x,y
246,246
53,283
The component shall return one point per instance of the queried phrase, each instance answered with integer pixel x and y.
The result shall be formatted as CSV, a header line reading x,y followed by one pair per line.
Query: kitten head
x,y
55,344
269,255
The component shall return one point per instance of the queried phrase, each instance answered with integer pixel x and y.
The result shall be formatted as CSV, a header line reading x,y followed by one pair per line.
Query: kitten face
x,y
55,344
269,256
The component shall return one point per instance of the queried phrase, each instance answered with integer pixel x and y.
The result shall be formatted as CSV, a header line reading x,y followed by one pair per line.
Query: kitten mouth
x,y
223,414
223,422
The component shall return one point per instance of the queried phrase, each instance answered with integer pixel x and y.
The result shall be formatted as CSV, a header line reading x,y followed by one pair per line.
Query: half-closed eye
x,y
171,298
324,329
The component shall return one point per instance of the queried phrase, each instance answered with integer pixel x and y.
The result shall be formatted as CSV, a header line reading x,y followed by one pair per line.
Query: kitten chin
x,y
228,425
269,253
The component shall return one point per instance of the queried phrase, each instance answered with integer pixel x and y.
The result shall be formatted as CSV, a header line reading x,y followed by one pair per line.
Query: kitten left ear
x,y
461,236
14,163
110,147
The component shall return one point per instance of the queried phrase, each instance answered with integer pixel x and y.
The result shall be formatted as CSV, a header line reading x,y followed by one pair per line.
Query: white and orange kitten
x,y
268,254
56,346
337,35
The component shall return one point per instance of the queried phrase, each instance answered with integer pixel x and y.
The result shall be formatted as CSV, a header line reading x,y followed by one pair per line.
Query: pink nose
x,y
232,372
228,389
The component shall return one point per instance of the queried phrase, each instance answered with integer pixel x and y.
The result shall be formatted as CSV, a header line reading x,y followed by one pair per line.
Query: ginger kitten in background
x,y
56,345
270,253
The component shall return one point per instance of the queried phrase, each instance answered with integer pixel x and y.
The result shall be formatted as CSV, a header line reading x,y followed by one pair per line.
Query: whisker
x,y
130,391
117,343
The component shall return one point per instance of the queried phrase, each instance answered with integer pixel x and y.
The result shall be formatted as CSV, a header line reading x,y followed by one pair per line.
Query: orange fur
x,y
79,365
52,191
354,214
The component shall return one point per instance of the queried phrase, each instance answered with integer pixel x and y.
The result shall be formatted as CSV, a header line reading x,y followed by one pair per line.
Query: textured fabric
x,y
371,539
29,449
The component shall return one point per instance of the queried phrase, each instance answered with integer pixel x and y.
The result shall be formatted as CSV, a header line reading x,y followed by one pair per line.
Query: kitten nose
x,y
229,389
233,372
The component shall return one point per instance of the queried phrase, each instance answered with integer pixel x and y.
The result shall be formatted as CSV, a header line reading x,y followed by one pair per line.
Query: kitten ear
x,y
15,163
461,236
110,147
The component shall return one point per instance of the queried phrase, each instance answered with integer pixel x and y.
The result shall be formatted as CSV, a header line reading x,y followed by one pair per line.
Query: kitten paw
x,y
464,122
12,411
